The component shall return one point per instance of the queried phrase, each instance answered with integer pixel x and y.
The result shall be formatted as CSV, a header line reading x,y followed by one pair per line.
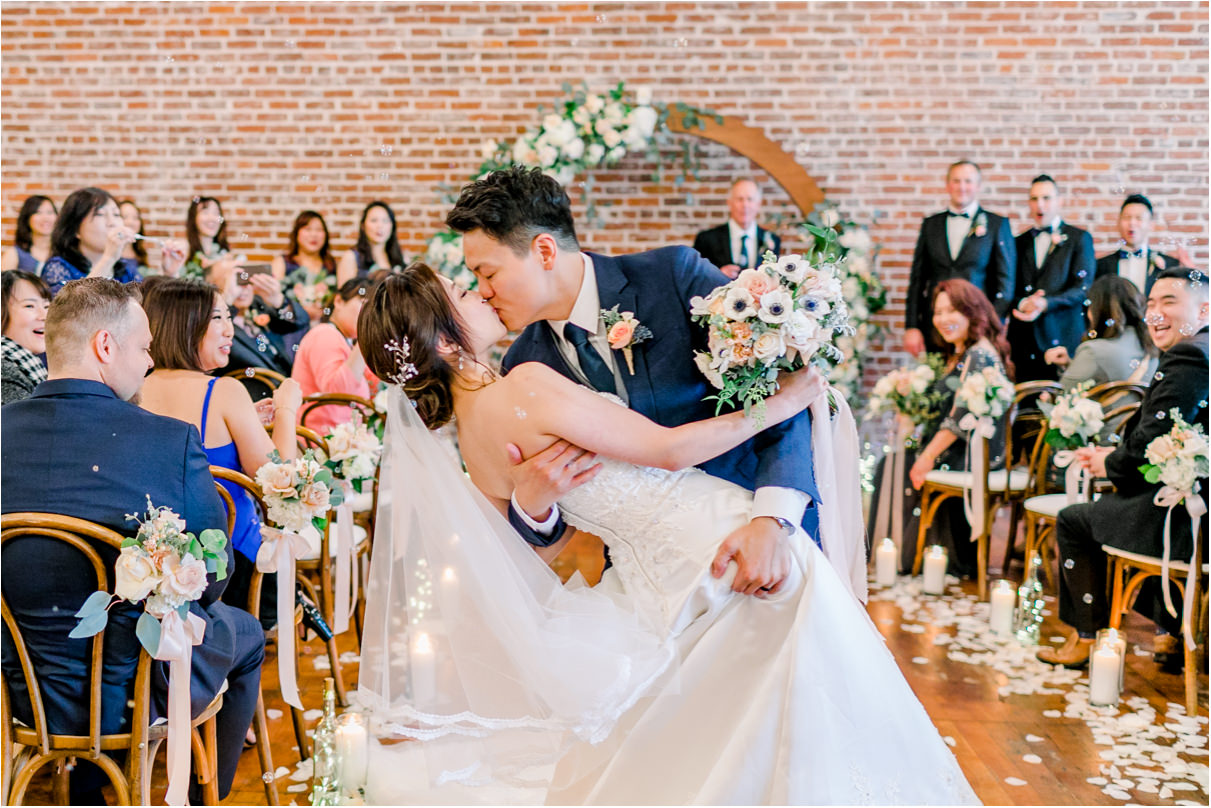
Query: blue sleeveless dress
x,y
246,536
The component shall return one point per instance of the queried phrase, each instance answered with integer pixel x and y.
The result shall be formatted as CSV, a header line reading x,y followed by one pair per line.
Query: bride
x,y
490,681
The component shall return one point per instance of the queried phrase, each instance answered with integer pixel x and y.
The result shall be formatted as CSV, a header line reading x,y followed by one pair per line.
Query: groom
x,y
520,241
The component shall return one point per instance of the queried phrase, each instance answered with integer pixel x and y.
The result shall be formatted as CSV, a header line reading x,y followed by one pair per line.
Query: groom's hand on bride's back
x,y
539,481
761,550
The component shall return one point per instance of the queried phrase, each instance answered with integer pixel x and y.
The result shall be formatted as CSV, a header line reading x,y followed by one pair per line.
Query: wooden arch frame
x,y
763,152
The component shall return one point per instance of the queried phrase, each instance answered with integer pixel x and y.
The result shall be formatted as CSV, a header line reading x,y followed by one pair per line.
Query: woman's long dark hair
x,y
191,225
413,306
24,237
1116,306
982,319
65,240
138,245
302,220
178,311
394,254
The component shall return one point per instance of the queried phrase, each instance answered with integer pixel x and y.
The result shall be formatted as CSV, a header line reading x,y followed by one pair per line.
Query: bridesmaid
x,y
377,245
206,232
31,243
307,267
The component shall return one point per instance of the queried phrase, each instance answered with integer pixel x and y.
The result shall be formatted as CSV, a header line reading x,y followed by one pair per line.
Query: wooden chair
x,y
254,607
28,749
259,719
1128,573
1114,394
270,378
1022,429
362,406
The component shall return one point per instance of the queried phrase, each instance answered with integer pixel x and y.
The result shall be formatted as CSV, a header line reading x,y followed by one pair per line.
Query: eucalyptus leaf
x,y
90,625
357,485
319,523
148,632
97,602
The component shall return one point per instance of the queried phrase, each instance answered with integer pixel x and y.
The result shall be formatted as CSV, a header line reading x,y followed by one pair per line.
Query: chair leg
x,y
338,678
1015,516
264,752
1116,594
982,565
300,733
206,749
59,779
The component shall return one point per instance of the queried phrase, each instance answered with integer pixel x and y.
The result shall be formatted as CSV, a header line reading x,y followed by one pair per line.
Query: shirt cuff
x,y
783,503
544,528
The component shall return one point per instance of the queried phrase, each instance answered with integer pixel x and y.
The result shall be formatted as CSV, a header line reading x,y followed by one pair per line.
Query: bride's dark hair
x,y
413,305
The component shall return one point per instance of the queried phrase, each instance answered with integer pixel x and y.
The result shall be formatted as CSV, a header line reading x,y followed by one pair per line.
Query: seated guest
x,y
307,268
262,314
328,360
1117,346
968,326
88,241
31,242
1055,270
135,249
79,447
26,298
191,336
205,234
377,245
1128,519
740,243
1135,261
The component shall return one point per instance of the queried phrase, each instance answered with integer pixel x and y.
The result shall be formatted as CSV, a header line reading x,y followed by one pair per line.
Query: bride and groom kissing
x,y
666,683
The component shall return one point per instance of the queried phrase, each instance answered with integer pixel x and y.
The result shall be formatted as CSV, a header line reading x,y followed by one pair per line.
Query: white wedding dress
x,y
791,699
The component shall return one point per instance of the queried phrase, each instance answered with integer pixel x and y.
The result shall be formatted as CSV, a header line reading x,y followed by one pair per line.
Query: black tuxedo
x,y
715,245
1128,519
74,448
1065,278
270,351
1108,265
989,261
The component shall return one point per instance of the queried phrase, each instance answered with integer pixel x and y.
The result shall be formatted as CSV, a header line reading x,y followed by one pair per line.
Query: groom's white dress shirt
x,y
775,501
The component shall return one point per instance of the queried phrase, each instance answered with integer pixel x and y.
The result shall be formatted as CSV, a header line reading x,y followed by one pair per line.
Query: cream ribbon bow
x,y
177,639
978,429
345,585
1169,498
279,549
1078,484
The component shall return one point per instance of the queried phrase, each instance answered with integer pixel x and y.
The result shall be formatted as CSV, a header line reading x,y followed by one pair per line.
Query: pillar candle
x,y
885,563
352,750
1002,600
934,577
1110,636
424,674
1103,675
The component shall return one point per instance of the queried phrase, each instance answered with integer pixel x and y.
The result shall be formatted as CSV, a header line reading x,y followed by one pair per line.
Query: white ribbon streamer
x,y
1170,498
975,496
177,639
1078,483
344,587
279,549
891,489
835,460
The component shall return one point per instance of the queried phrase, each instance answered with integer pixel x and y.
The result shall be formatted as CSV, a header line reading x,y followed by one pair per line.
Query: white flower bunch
x,y
778,316
298,493
1177,459
907,391
986,394
1074,420
444,254
353,453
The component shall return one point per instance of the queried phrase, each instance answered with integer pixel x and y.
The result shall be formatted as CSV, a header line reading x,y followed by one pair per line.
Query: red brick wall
x,y
276,108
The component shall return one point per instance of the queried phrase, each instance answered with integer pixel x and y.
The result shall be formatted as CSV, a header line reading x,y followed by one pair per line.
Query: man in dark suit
x,y
80,446
520,241
1128,519
1135,261
740,243
963,241
1055,271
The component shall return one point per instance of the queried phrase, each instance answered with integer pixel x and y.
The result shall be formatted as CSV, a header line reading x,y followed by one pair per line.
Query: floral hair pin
x,y
404,369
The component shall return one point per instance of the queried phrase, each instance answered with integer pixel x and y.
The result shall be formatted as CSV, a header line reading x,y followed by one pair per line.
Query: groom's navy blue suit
x,y
667,386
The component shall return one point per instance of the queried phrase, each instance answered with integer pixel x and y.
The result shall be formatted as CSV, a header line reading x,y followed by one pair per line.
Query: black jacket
x,y
715,245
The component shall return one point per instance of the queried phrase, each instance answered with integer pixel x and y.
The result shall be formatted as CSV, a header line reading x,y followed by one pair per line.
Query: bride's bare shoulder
x,y
530,375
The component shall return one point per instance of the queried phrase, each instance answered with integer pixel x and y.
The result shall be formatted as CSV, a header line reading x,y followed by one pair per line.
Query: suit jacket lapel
x,y
614,289
967,238
941,236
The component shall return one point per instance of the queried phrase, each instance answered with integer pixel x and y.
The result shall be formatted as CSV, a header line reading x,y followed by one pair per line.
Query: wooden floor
x,y
992,735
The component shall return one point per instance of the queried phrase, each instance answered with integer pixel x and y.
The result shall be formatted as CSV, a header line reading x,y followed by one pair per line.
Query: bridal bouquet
x,y
162,565
778,316
298,493
1073,420
1177,459
353,453
908,391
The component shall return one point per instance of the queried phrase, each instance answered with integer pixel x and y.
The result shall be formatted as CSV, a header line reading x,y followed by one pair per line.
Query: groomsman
x,y
740,243
1055,271
1136,261
964,241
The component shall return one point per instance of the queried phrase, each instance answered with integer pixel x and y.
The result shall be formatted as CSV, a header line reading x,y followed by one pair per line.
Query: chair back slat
x,y
1111,394
1026,421
364,407
270,378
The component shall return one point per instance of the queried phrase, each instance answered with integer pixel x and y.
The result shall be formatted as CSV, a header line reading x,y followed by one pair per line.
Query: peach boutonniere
x,y
980,228
624,332
1158,261
1058,238
261,319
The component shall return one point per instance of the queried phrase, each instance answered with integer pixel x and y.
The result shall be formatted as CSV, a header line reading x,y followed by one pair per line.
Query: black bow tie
x,y
1131,254
1035,232
960,215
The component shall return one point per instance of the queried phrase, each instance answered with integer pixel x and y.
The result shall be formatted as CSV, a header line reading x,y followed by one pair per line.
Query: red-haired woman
x,y
973,339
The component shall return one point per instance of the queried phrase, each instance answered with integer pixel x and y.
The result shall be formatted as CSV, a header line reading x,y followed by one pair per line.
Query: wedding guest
x,y
88,240
78,447
136,249
1117,346
740,243
206,233
307,267
327,361
26,297
191,337
1177,318
966,324
964,241
1135,261
377,245
1055,271
31,242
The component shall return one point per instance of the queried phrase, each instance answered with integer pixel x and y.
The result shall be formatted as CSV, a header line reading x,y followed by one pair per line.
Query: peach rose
x,y
756,282
316,496
621,332
185,580
277,479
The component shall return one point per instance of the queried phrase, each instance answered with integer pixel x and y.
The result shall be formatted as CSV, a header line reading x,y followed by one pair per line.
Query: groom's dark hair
x,y
513,206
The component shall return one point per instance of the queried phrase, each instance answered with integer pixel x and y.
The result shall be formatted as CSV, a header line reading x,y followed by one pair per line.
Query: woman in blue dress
x,y
31,242
377,245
